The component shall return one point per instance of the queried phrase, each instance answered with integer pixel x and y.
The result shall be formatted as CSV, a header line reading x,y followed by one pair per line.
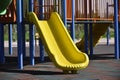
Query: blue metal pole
x,y
41,9
32,48
31,31
23,41
108,30
73,20
86,28
2,58
64,10
41,51
19,33
108,36
23,33
90,29
91,39
119,39
40,41
116,28
10,38
86,37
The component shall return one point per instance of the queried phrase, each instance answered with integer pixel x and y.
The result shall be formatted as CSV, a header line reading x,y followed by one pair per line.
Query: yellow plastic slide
x,y
98,30
58,43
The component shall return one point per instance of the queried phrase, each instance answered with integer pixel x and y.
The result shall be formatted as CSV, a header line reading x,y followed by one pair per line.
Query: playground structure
x,y
85,12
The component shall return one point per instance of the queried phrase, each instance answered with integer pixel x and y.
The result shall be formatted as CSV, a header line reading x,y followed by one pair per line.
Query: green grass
x,y
79,32
111,34
14,33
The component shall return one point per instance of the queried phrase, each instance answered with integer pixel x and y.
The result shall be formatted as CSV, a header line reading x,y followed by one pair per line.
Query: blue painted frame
x,y
10,38
19,33
31,30
116,29
2,57
40,41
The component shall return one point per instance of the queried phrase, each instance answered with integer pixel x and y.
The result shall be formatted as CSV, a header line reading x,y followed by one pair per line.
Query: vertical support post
x,y
64,10
108,30
32,49
41,51
40,41
90,30
73,20
91,39
86,27
119,25
23,41
119,40
2,58
19,33
108,36
23,33
41,9
10,38
31,31
116,28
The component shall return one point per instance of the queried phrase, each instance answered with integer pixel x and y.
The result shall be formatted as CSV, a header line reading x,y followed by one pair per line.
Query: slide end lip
x,y
3,12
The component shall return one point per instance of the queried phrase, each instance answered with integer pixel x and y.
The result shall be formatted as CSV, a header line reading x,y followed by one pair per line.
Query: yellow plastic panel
x,y
98,30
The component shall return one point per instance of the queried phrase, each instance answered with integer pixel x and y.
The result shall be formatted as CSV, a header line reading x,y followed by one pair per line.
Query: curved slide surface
x,y
98,30
58,43
3,6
